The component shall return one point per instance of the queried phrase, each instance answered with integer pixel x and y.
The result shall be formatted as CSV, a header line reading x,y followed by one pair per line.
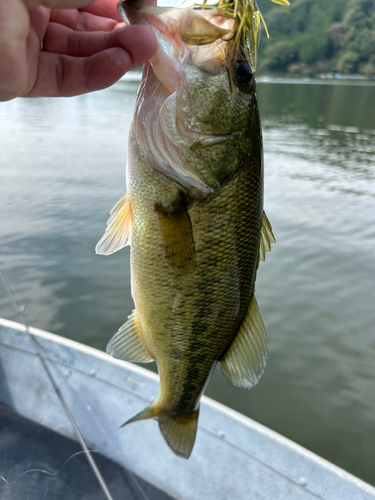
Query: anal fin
x,y
177,232
118,232
266,238
244,362
127,344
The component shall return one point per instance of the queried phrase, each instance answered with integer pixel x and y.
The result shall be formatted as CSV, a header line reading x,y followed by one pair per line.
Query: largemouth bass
x,y
193,216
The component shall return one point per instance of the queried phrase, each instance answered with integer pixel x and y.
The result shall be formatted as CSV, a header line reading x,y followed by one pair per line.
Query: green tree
x,y
358,44
279,56
338,33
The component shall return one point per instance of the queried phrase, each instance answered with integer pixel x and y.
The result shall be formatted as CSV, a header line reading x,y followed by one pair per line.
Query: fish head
x,y
196,111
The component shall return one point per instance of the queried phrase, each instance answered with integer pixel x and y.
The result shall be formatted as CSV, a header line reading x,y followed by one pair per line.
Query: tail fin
x,y
178,431
148,412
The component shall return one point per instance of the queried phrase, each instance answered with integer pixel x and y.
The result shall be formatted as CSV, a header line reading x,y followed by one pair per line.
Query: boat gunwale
x,y
214,405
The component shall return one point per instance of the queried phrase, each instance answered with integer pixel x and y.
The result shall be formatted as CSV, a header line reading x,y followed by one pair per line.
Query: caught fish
x,y
192,215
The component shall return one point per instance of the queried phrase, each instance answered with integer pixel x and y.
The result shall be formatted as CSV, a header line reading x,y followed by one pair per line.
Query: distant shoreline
x,y
323,79
364,82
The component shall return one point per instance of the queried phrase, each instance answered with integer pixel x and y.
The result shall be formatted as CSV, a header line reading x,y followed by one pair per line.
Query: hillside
x,y
314,36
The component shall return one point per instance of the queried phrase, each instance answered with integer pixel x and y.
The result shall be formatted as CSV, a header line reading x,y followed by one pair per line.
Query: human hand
x,y
84,47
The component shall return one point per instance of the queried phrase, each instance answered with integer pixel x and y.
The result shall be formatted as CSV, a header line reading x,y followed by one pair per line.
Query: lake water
x,y
63,168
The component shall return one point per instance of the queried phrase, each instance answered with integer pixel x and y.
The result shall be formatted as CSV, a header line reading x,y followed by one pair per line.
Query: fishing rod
x,y
20,310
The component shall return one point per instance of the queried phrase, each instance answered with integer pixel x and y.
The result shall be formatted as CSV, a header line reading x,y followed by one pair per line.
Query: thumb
x,y
57,4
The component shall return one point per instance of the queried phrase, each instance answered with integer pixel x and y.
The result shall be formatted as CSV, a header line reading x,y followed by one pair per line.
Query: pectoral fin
x,y
118,232
127,344
177,233
244,362
266,238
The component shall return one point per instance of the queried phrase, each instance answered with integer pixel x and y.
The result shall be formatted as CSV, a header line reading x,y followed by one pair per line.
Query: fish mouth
x,y
194,27
183,35
165,121
166,60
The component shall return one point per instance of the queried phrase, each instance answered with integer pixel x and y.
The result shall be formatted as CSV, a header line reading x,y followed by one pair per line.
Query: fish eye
x,y
243,73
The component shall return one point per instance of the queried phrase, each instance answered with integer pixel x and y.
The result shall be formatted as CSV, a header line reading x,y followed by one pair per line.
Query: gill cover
x,y
162,133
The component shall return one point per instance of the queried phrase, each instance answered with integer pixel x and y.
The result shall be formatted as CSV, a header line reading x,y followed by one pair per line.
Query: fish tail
x,y
148,412
179,431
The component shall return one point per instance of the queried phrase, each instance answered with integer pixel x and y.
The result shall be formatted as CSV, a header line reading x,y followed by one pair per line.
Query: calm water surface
x,y
62,170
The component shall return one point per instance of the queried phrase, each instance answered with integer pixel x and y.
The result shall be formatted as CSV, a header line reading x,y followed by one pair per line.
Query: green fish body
x,y
193,215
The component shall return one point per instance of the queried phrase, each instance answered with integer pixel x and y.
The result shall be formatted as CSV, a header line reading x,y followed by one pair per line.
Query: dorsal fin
x,y
118,232
245,360
266,238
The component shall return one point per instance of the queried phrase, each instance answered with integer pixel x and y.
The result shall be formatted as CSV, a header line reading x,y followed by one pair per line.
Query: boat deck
x,y
37,463
233,458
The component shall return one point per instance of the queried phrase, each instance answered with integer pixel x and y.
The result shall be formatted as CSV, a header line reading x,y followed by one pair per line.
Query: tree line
x,y
318,36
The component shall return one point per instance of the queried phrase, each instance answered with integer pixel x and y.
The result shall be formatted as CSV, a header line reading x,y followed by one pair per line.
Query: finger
x,y
62,40
39,20
63,75
14,22
108,8
103,8
56,4
82,21
120,25
14,30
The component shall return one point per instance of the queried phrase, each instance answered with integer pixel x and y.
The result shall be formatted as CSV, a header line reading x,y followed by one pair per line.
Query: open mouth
x,y
166,121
